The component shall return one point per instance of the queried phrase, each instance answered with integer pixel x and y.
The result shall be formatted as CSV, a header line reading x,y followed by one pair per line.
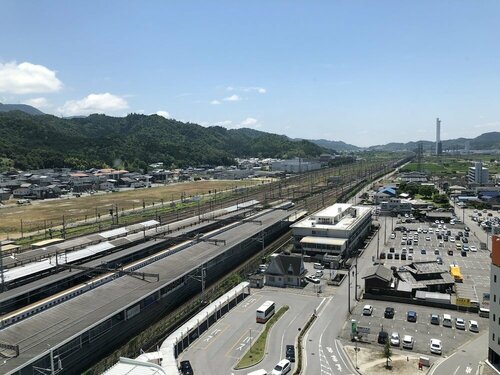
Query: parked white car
x,y
367,310
436,346
408,342
312,279
460,323
473,326
395,341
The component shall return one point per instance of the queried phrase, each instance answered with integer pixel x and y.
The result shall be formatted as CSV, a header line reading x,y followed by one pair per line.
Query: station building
x,y
337,230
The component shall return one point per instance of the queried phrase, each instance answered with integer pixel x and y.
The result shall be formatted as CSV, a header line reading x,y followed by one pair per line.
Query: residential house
x,y
285,271
23,191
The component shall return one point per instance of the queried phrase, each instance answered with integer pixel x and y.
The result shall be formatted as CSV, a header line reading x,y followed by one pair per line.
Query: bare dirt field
x,y
50,212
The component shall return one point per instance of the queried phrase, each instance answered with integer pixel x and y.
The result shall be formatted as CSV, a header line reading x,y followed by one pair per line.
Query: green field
x,y
453,165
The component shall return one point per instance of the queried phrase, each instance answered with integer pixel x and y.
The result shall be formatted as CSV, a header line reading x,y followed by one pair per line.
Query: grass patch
x,y
298,367
256,352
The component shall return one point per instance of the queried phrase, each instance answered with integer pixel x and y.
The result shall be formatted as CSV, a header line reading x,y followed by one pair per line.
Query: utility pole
x,y
356,280
1,268
349,290
385,230
378,241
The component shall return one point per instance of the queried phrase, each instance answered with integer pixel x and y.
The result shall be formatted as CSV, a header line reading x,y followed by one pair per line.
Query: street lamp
x,y
349,290
378,241
356,349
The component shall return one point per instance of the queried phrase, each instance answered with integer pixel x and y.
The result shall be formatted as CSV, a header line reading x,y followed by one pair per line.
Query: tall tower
x,y
439,146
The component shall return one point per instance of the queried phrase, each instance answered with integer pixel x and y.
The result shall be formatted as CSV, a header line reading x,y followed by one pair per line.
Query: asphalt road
x,y
324,354
466,360
219,349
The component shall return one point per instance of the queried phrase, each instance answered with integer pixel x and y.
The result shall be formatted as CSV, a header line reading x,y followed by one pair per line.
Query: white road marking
x,y
287,330
340,354
323,362
468,369
456,370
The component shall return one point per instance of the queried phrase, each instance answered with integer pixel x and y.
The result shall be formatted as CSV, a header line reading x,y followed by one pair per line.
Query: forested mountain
x,y
20,107
486,141
132,142
334,145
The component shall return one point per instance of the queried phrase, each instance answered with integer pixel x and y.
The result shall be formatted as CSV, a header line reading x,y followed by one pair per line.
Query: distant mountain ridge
x,y
133,142
485,141
20,107
334,145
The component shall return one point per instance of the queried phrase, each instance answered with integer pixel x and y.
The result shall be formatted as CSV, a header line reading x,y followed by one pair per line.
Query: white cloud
x,y
260,90
38,102
225,123
249,122
215,102
163,114
94,103
27,78
232,98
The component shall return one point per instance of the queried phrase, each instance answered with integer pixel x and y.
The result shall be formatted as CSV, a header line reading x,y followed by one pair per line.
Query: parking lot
x,y
422,331
420,243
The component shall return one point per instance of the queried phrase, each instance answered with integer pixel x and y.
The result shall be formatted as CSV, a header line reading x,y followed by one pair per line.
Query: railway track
x,y
310,191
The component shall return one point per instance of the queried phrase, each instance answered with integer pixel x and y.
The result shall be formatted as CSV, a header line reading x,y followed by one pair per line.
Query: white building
x,y
297,165
337,230
394,206
478,174
494,319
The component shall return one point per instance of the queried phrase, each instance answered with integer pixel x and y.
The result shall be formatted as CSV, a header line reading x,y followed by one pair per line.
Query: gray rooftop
x,y
63,322
379,271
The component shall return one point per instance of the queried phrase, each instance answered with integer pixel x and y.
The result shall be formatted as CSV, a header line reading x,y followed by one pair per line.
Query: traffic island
x,y
256,352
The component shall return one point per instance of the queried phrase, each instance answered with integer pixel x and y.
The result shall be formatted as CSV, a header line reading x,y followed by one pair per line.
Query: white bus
x,y
265,311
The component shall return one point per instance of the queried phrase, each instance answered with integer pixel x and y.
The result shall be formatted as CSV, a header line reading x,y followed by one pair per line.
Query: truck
x,y
457,275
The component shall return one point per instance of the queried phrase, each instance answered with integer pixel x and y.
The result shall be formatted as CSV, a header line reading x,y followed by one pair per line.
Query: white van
x,y
447,322
484,312
258,372
318,266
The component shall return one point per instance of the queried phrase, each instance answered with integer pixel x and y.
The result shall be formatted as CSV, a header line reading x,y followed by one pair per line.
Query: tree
x,y
427,190
387,353
440,198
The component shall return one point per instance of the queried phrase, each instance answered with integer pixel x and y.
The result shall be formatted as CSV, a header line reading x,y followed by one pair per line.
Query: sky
x,y
362,72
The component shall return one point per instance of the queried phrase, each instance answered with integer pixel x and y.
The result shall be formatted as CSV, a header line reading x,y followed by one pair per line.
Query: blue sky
x,y
364,72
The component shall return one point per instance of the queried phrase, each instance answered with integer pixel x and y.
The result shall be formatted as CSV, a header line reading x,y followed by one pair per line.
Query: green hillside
x,y
132,142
